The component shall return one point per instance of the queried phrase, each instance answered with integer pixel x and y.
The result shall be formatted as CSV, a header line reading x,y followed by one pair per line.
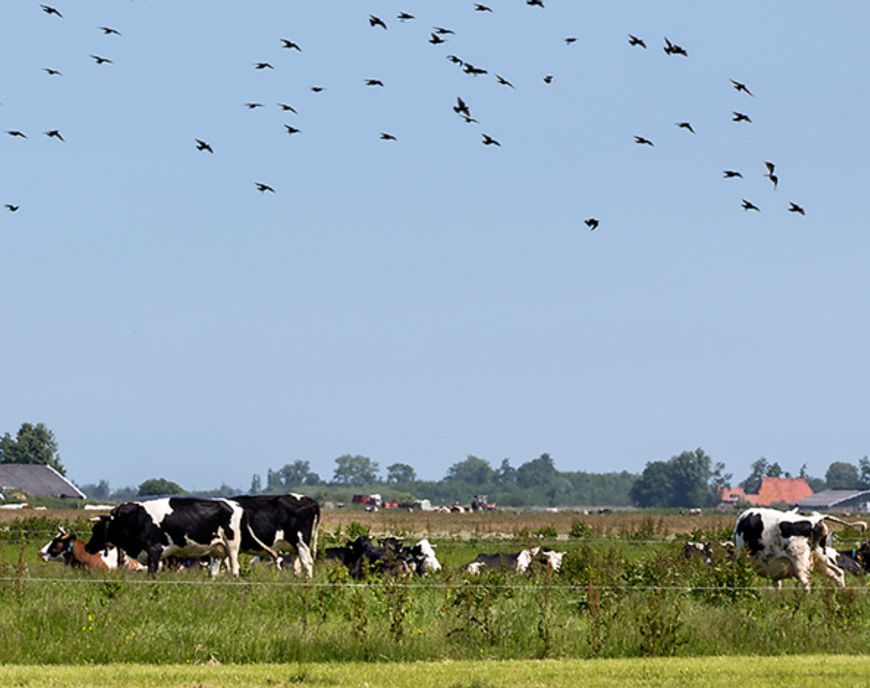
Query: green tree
x,y
683,481
537,473
864,477
401,473
256,484
99,491
297,473
160,486
355,470
654,487
507,474
774,470
473,471
842,476
34,444
753,480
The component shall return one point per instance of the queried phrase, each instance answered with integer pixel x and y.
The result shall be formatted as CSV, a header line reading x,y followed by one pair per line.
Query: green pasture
x,y
707,672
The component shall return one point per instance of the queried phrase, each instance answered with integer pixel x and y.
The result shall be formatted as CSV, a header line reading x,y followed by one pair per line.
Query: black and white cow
x,y
182,527
283,522
518,563
786,544
362,555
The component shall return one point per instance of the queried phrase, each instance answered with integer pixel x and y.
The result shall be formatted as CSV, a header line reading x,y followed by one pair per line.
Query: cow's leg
x,y
830,569
214,566
154,554
305,557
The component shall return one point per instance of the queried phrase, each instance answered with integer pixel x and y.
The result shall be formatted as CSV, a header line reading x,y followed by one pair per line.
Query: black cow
x,y
282,522
174,527
363,555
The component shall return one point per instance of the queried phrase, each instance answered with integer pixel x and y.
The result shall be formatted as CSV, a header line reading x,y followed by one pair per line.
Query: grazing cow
x,y
182,527
787,544
283,522
66,547
518,563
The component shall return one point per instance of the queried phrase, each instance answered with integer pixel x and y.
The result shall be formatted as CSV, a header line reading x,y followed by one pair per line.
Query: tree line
x,y
687,479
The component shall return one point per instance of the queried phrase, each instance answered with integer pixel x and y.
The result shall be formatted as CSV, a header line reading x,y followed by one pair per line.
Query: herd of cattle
x,y
282,529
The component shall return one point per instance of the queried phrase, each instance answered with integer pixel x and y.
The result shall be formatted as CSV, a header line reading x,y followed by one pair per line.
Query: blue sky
x,y
426,299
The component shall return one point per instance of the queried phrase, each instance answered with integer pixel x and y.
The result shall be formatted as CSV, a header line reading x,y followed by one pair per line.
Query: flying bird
x,y
253,106
771,167
474,71
290,45
387,137
731,174
287,108
109,31
16,133
435,39
263,188
548,79
642,141
503,81
404,16
489,141
773,180
592,223
635,41
535,3
318,89
686,125
482,8
750,206
53,134
740,117
101,60
291,130
461,108
48,9
455,60
674,49
441,31
793,208
52,72
570,39
14,208
376,21
741,87
374,82
469,120
263,65
203,146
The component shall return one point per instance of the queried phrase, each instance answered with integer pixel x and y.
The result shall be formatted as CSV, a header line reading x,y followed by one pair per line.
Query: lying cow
x,y
788,545
361,555
694,549
182,527
69,549
518,563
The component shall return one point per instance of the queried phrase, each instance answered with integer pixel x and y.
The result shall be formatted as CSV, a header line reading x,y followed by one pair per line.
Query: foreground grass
x,y
709,672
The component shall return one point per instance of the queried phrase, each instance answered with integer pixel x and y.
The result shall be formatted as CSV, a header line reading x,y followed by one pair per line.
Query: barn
x,y
36,480
837,500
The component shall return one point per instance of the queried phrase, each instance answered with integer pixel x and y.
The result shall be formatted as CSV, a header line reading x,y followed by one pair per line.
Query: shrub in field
x,y
659,627
580,530
355,529
548,531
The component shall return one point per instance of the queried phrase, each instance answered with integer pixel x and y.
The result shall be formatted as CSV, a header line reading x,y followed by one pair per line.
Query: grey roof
x,y
37,481
829,498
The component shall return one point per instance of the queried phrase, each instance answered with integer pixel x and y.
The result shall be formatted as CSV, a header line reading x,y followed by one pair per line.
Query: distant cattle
x,y
708,550
518,563
182,527
390,557
282,522
69,549
788,544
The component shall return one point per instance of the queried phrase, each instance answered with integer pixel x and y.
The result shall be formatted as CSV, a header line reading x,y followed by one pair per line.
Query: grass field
x,y
708,672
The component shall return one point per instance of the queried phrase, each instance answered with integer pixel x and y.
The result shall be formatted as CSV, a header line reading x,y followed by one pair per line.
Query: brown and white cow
x,y
66,547
786,544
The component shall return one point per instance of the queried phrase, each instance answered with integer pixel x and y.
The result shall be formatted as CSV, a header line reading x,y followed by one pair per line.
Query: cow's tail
x,y
271,552
861,525
315,528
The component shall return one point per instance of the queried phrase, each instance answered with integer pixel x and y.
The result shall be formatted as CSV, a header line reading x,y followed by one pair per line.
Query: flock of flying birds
x,y
438,36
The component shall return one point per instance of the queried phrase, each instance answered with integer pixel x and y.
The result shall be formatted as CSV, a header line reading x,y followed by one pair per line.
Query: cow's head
x,y
99,535
60,545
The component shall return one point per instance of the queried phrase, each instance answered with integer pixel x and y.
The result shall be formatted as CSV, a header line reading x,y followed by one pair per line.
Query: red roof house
x,y
772,491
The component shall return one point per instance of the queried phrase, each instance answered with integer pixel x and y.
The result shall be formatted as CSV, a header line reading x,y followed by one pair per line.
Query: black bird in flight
x,y
469,120
376,21
52,72
263,65
793,208
15,132
773,180
489,141
635,41
109,31
686,125
740,117
48,9
731,174
263,188
455,60
592,223
290,45
548,79
535,3
374,82
642,141
291,130
441,31
203,146
14,208
435,39
481,8
570,39
387,137
53,134
750,206
253,106
404,16
287,108
101,60
461,108
474,71
503,81
674,49
771,167
318,89
741,87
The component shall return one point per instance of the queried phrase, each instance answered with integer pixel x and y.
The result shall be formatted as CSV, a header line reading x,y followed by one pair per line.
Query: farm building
x,y
771,491
36,480
839,500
